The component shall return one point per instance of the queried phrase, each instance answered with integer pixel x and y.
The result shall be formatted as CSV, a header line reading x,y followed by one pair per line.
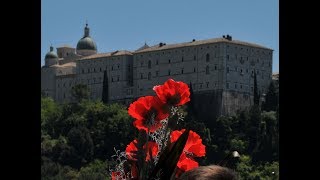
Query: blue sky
x,y
127,24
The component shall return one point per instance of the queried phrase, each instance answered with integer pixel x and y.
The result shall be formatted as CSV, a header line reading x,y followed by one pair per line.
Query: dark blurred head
x,y
212,172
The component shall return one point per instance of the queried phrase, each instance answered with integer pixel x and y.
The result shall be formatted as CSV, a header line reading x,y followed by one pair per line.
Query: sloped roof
x,y
199,42
115,53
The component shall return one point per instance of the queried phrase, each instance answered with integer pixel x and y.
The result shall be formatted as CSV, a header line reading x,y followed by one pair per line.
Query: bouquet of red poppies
x,y
161,151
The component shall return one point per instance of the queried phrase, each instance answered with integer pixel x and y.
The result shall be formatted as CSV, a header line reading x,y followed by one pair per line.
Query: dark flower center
x,y
150,117
189,154
175,99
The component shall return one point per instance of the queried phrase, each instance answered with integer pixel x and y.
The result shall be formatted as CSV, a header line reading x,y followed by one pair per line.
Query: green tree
x,y
81,144
80,92
51,170
238,145
50,112
111,126
105,88
253,129
272,98
256,96
96,170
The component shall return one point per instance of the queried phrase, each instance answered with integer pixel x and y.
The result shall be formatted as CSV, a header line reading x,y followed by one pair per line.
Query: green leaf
x,y
170,157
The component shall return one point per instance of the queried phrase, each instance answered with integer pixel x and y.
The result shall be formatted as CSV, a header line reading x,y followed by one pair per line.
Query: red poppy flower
x,y
193,148
186,164
132,149
148,112
115,175
173,92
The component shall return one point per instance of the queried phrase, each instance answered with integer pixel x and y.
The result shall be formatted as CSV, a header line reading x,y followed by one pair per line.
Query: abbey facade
x,y
220,71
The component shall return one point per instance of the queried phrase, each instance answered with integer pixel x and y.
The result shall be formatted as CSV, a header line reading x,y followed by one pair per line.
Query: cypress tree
x,y
105,88
256,95
271,103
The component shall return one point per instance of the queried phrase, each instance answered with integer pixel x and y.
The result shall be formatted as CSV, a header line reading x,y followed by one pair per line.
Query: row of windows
x,y
247,71
252,50
182,72
236,86
169,60
240,86
114,79
92,71
195,86
176,51
70,84
100,69
247,58
112,67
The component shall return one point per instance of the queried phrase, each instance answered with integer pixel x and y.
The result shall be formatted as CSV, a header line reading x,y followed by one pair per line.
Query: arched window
x,y
149,76
207,57
182,59
169,72
149,64
207,70
182,71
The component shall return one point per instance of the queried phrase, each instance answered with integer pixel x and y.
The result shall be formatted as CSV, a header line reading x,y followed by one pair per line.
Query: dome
x,y
86,46
51,58
86,43
51,54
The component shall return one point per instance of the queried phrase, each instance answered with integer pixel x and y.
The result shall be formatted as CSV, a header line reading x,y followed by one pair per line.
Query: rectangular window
x,y
227,69
227,85
157,73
